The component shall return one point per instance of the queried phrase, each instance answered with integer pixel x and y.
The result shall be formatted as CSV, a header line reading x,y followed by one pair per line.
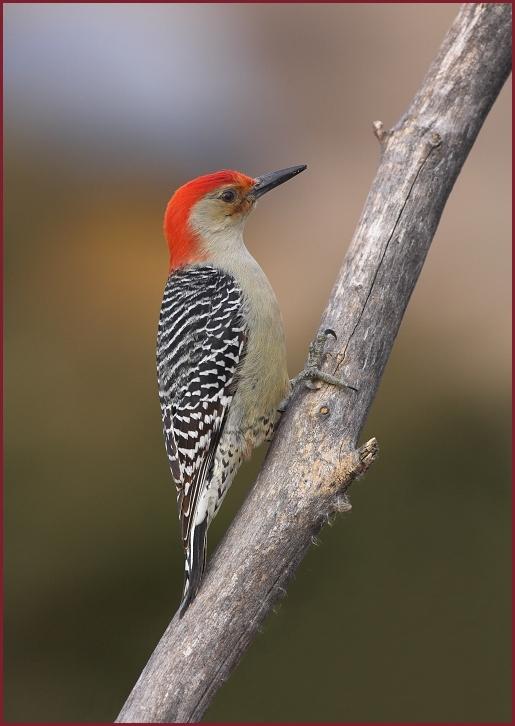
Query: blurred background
x,y
402,613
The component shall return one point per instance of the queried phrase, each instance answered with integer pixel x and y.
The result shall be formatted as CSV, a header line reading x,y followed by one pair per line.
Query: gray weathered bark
x,y
314,458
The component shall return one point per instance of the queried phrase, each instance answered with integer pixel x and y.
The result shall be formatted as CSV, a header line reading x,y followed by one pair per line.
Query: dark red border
x,y
43,723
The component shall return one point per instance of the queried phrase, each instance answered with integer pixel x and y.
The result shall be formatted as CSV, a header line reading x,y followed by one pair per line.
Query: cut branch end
x,y
380,133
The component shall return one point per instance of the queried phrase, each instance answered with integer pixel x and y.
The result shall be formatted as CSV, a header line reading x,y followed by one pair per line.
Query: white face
x,y
220,216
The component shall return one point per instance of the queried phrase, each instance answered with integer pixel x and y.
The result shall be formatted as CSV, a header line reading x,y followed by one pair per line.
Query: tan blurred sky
x,y
177,90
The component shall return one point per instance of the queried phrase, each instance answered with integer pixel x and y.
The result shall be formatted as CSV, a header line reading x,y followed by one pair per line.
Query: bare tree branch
x,y
314,458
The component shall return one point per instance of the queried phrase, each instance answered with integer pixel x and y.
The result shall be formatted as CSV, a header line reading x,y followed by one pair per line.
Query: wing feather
x,y
201,344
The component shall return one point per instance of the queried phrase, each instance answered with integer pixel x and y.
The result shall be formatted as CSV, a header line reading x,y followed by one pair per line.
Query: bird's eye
x,y
229,195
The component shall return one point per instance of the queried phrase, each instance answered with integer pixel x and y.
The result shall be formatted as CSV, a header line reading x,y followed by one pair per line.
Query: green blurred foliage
x,y
401,613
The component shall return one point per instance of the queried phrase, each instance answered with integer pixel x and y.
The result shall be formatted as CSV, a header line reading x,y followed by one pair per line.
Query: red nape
x,y
182,240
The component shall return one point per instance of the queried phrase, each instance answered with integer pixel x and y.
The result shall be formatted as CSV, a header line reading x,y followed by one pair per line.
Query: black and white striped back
x,y
201,344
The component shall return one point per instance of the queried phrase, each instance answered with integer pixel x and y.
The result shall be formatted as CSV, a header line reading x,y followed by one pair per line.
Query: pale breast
x,y
264,380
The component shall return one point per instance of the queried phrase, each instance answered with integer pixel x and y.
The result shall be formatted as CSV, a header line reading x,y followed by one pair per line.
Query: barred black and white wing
x,y
201,344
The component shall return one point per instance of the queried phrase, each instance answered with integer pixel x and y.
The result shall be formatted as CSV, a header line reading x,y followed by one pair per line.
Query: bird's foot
x,y
312,375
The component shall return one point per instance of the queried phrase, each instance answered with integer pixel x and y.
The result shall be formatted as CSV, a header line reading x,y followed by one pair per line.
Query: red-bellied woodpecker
x,y
221,355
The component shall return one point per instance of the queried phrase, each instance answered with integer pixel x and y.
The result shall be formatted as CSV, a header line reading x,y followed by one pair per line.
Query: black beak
x,y
269,181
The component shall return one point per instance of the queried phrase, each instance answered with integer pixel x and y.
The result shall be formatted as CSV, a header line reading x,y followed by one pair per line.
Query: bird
x,y
221,352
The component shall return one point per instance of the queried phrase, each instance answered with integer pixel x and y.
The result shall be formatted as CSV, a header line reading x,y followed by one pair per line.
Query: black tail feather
x,y
195,565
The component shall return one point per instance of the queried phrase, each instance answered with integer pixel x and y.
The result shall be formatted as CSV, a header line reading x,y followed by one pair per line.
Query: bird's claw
x,y
312,375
